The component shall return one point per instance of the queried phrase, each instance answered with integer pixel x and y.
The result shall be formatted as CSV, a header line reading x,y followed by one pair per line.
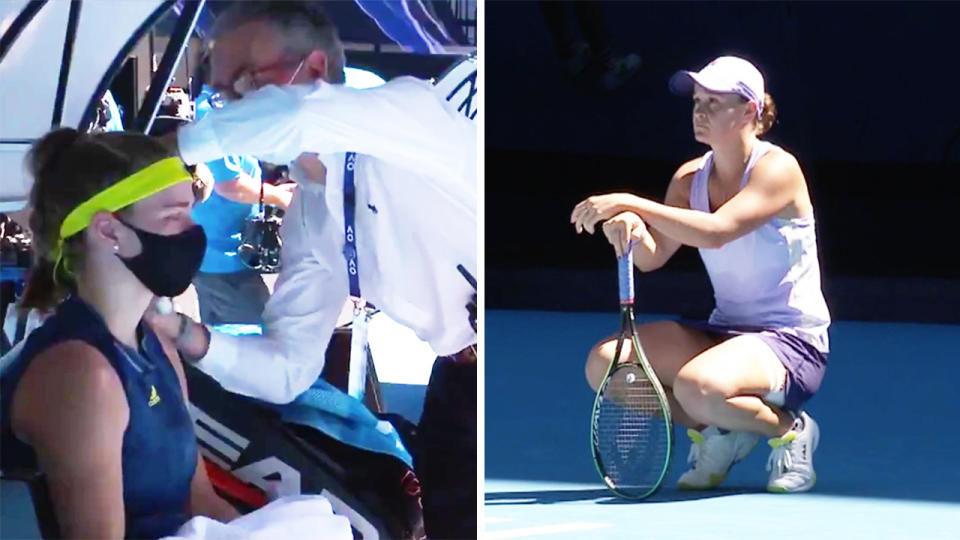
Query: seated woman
x,y
96,400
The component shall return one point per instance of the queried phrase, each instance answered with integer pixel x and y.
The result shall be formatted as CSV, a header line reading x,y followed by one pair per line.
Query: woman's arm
x,y
773,187
657,248
71,408
204,501
654,248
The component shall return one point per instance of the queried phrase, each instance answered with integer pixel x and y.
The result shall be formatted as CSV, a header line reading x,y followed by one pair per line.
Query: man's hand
x,y
191,338
162,318
308,168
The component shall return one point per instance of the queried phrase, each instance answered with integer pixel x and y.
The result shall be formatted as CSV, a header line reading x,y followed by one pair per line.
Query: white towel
x,y
295,516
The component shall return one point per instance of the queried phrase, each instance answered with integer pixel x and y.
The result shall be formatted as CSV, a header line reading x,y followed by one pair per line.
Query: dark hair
x,y
302,25
68,167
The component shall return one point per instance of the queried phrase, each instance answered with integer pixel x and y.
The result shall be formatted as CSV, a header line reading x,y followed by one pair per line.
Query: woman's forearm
x,y
215,507
204,500
689,227
645,253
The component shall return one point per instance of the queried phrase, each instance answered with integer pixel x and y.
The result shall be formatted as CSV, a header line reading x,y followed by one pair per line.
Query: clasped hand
x,y
621,228
592,210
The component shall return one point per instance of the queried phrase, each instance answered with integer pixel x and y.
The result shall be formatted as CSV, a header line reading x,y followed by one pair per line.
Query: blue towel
x,y
336,414
333,412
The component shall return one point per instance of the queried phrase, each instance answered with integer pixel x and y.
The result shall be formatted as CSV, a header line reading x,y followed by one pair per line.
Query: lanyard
x,y
359,346
349,208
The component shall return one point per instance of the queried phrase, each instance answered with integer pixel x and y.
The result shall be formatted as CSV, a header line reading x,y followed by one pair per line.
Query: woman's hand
x,y
593,210
622,229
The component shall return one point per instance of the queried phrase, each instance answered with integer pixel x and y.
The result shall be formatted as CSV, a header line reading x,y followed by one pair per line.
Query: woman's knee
x,y
698,393
669,345
598,360
592,367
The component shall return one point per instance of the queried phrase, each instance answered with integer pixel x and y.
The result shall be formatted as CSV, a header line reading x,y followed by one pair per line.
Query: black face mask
x,y
167,264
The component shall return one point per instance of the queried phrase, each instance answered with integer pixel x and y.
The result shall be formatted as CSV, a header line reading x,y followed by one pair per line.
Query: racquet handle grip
x,y
625,276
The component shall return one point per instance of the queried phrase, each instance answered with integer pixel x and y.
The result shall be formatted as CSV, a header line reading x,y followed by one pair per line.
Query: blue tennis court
x,y
887,464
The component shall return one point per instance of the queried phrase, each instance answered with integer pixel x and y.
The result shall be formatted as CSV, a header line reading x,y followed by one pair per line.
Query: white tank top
x,y
769,278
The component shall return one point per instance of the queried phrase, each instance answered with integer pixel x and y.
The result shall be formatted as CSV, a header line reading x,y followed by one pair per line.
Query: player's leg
x,y
723,387
738,388
668,346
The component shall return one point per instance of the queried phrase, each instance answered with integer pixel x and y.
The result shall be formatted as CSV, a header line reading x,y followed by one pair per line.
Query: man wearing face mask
x,y
386,212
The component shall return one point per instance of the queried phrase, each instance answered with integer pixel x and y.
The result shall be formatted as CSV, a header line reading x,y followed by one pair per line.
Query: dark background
x,y
867,99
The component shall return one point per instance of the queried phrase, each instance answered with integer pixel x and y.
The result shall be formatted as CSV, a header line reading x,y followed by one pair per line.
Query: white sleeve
x,y
299,318
405,122
263,124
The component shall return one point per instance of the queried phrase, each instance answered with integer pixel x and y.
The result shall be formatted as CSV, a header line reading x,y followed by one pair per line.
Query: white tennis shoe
x,y
712,454
791,457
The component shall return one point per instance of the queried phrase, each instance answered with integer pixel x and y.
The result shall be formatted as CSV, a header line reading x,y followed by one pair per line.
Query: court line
x,y
545,529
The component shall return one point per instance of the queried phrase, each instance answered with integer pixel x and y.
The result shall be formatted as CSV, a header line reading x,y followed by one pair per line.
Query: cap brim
x,y
682,82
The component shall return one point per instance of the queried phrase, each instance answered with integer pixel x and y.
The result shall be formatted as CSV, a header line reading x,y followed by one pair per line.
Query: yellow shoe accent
x,y
695,436
154,396
785,439
778,489
715,480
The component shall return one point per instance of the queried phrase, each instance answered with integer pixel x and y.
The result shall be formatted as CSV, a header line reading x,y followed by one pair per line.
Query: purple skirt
x,y
805,364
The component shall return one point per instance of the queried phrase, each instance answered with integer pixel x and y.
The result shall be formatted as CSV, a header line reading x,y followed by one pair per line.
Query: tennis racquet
x,y
630,429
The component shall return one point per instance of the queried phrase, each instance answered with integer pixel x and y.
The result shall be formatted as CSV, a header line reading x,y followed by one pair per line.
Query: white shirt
x,y
416,192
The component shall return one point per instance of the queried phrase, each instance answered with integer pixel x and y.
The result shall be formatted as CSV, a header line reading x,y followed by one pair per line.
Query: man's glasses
x,y
248,80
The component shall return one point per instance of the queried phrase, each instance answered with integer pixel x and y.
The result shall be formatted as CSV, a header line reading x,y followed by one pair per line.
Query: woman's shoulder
x,y
680,184
777,163
686,170
74,363
70,376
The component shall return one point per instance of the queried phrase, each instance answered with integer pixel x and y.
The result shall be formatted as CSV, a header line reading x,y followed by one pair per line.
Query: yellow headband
x,y
136,187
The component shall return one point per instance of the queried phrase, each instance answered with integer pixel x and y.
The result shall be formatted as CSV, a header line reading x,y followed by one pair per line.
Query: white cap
x,y
726,75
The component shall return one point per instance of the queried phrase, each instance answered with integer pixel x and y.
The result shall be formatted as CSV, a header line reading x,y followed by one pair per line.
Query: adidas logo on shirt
x,y
154,396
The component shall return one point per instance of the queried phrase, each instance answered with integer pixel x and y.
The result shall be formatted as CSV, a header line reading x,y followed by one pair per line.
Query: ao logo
x,y
459,86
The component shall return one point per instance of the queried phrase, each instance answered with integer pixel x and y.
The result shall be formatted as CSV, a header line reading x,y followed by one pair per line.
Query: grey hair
x,y
302,25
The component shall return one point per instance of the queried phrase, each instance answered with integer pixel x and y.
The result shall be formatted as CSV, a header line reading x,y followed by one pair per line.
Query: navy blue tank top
x,y
159,445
